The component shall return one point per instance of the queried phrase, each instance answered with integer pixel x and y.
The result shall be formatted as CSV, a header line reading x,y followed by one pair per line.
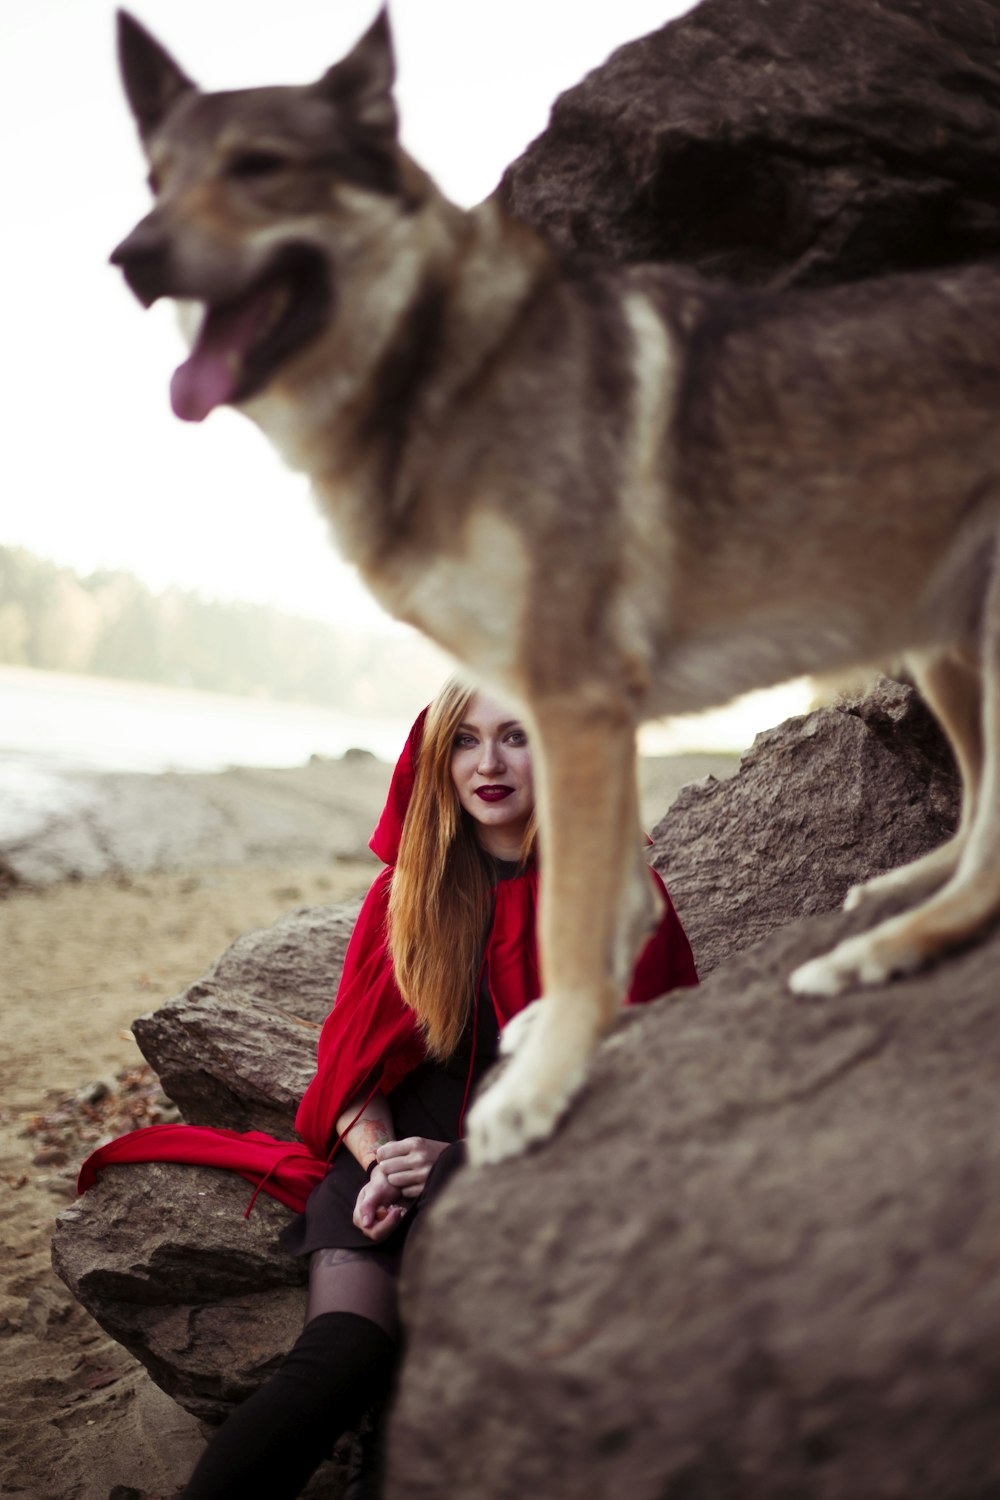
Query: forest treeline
x,y
109,624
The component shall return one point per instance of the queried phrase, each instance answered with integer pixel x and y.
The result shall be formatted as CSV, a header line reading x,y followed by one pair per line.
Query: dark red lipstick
x,y
494,793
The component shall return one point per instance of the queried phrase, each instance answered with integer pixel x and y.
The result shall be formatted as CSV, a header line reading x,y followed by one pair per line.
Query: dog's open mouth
x,y
241,343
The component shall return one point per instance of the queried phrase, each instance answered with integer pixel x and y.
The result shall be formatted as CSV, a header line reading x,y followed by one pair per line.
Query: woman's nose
x,y
491,760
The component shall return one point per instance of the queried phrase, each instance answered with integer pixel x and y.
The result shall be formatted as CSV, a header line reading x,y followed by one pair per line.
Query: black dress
x,y
427,1102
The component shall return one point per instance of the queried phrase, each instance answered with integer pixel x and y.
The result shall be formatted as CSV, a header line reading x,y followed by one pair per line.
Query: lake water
x,y
53,724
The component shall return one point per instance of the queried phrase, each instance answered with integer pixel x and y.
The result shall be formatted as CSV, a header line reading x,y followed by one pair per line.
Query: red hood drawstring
x,y
267,1175
290,1152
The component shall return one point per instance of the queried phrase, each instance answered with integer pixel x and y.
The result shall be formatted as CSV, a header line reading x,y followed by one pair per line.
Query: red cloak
x,y
371,1040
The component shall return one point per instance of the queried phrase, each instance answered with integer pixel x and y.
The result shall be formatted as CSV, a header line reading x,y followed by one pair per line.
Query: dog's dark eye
x,y
255,164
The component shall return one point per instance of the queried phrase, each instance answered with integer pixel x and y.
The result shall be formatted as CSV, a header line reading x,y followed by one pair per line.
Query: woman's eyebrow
x,y
501,728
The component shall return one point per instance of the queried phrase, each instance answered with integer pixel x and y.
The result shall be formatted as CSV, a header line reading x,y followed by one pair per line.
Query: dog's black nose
x,y
144,259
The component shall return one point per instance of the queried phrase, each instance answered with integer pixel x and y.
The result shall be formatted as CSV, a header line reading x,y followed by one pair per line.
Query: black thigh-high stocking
x,y
341,1364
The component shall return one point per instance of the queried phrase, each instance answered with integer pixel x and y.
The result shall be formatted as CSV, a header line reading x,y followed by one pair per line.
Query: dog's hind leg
x,y
951,684
970,899
585,769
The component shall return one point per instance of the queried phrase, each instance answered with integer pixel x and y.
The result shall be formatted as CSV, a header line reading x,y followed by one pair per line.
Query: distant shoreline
x,y
64,717
88,824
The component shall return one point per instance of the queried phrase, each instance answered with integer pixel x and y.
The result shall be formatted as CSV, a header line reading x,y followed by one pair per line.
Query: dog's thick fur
x,y
613,494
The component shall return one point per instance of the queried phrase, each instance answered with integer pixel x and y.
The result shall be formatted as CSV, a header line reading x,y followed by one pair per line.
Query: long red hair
x,y
439,902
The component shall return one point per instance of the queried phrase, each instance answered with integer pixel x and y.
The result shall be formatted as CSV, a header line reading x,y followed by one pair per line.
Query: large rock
x,y
162,1255
780,142
227,1059
238,1047
166,1261
169,1263
295,963
757,1262
819,803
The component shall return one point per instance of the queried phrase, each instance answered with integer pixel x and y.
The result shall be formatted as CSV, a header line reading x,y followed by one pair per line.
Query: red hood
x,y
385,841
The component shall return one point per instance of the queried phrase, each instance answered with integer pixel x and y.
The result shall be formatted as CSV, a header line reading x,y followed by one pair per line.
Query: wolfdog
x,y
613,493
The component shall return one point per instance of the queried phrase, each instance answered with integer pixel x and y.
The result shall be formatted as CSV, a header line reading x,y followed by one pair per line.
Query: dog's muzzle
x,y
144,258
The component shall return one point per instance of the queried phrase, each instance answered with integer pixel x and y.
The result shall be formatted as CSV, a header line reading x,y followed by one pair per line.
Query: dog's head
x,y
269,202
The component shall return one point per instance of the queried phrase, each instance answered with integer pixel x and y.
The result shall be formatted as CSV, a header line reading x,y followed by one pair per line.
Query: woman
x,y
443,955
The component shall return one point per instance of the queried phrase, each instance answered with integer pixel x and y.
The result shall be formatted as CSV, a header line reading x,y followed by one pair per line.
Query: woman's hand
x,y
379,1208
407,1164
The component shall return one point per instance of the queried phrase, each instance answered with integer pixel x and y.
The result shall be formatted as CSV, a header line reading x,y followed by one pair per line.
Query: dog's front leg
x,y
584,752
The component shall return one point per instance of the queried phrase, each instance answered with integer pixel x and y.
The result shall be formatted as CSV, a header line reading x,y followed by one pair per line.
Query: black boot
x,y
339,1366
365,1482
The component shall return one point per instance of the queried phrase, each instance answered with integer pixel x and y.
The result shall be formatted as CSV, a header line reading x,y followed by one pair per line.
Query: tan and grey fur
x,y
614,494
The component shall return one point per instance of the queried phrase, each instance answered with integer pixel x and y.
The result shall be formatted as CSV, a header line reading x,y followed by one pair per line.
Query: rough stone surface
x,y
164,1259
785,1285
295,963
237,1048
780,142
818,804
227,1059
161,1255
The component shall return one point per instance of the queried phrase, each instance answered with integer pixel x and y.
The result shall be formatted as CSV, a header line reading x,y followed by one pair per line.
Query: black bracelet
x,y
371,1167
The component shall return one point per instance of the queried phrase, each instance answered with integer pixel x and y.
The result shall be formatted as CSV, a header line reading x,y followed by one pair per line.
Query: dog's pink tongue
x,y
211,374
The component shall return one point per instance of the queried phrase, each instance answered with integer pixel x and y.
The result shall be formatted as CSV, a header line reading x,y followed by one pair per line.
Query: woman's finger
x,y
407,1176
396,1148
414,1148
384,1227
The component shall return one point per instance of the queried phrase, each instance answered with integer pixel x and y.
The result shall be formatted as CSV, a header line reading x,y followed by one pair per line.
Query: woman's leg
x,y
341,1364
359,1281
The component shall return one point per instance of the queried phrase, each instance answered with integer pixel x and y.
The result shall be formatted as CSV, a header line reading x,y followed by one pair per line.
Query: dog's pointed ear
x,y
361,83
153,81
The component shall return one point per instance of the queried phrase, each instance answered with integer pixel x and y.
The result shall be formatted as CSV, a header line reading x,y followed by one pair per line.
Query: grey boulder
x,y
818,804
757,1262
780,143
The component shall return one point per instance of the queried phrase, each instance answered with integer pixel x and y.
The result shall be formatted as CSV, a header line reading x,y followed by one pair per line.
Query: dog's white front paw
x,y
511,1116
820,976
535,1089
869,959
517,1030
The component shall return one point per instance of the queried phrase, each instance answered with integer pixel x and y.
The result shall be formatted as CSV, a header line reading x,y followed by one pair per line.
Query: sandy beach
x,y
85,951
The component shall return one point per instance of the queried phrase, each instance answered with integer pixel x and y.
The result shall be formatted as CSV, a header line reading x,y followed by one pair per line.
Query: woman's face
x,y
491,769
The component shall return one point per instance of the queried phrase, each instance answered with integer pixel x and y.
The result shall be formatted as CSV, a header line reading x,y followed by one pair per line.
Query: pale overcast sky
x,y
97,471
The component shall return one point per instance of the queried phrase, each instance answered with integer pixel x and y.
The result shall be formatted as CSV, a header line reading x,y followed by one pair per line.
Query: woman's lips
x,y
494,793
